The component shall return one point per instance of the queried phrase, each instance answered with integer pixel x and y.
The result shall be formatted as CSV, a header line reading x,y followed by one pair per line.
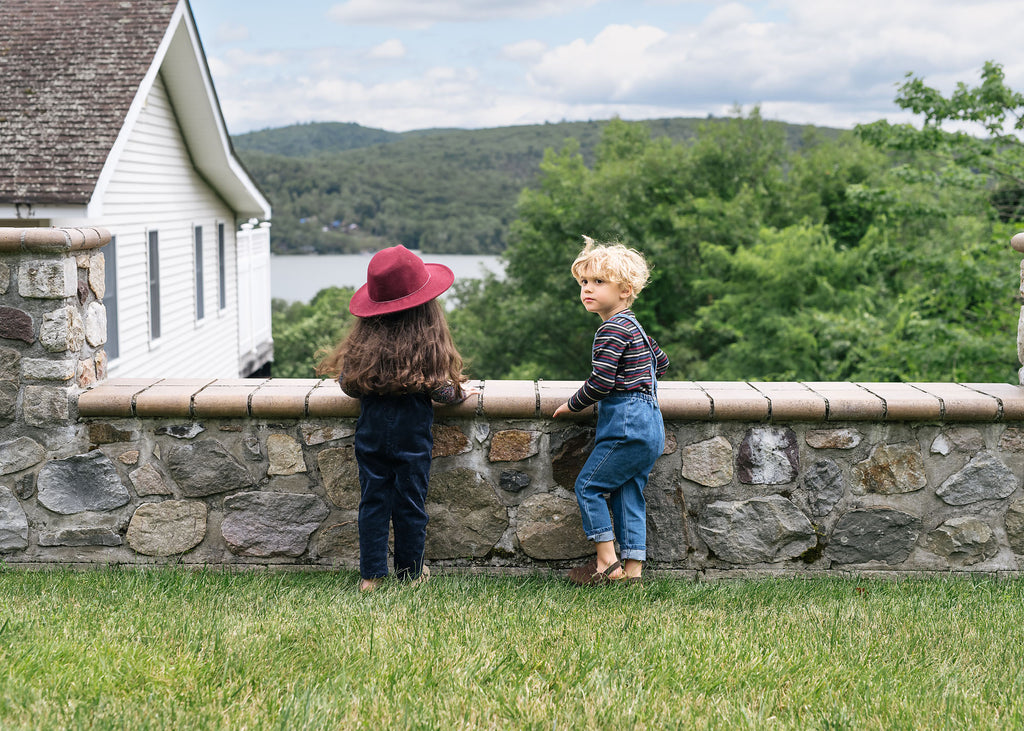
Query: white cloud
x,y
232,33
804,61
390,49
524,50
420,14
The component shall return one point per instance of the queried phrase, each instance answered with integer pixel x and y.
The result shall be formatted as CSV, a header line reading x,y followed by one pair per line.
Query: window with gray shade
x,y
154,285
200,310
222,267
110,296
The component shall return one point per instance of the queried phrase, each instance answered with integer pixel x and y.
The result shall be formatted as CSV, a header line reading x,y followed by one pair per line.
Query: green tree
x,y
973,136
301,331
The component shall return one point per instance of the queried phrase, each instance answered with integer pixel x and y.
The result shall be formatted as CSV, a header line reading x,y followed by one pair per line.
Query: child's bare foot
x,y
617,575
633,568
367,585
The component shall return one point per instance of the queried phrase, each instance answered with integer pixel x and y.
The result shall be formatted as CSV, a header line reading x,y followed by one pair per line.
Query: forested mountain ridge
x,y
341,187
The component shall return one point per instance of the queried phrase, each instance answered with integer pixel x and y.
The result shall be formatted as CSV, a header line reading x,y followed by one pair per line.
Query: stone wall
x,y
756,478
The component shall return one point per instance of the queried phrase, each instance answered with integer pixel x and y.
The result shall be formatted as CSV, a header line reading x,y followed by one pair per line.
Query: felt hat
x,y
397,280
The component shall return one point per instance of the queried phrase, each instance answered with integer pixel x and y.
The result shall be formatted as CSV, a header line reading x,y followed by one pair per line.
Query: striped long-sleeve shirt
x,y
621,362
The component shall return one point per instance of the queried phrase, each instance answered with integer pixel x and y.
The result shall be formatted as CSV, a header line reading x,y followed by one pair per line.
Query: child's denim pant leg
x,y
630,437
393,444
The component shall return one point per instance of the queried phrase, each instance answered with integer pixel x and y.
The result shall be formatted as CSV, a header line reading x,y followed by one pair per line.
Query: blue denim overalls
x,y
393,444
630,437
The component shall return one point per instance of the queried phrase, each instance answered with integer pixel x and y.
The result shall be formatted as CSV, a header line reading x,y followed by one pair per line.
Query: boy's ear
x,y
626,290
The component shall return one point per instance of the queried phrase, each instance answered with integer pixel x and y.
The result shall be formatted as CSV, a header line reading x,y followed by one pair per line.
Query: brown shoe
x,y
588,575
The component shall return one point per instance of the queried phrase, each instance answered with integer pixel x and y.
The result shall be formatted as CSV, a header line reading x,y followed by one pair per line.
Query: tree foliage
x,y
302,331
839,261
875,255
342,188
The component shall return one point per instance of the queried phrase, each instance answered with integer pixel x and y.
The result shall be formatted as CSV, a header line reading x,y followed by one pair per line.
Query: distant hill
x,y
305,140
341,187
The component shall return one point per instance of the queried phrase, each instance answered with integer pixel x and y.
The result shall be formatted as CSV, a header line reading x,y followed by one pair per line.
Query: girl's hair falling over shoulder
x,y
404,352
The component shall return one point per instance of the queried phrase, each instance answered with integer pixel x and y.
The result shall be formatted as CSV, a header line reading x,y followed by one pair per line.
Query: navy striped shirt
x,y
622,362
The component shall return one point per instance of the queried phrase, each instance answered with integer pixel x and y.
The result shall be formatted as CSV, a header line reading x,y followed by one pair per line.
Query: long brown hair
x,y
403,352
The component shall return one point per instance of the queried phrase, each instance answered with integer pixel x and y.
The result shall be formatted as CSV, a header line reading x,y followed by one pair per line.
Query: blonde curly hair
x,y
614,263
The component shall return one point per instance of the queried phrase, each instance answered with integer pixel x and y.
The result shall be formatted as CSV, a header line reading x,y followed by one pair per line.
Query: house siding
x,y
154,186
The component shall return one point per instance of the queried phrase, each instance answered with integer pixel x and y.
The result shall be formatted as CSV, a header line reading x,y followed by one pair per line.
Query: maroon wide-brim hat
x,y
397,280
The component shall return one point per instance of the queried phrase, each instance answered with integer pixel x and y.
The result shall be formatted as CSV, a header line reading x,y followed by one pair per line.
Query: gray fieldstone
x,y
549,527
1014,521
48,279
86,535
20,454
8,401
206,468
266,524
167,528
340,542
181,431
86,482
466,517
1012,440
5,277
959,439
768,456
252,448
285,455
62,331
44,406
708,463
569,452
13,523
95,324
313,435
10,361
760,530
823,487
513,481
42,369
339,474
97,275
147,481
963,540
833,438
873,534
890,470
25,486
667,535
983,478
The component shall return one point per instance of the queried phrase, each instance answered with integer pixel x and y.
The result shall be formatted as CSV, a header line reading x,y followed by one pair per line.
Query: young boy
x,y
630,431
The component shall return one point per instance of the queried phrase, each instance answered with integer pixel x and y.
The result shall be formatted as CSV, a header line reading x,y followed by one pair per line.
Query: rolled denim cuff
x,y
634,554
602,536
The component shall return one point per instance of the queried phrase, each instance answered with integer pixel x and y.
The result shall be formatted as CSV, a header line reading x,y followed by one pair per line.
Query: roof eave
x,y
187,78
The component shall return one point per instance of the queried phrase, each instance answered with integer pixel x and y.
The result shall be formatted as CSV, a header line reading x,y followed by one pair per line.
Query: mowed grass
x,y
181,649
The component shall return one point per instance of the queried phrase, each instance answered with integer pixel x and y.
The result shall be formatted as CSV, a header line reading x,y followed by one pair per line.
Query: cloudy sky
x,y
417,64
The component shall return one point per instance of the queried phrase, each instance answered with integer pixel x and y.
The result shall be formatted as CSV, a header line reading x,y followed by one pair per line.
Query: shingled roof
x,y
69,70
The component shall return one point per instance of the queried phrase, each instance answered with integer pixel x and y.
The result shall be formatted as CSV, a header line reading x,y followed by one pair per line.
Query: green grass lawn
x,y
179,649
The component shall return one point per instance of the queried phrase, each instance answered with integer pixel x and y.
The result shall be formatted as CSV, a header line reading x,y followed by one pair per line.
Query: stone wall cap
x,y
43,240
815,402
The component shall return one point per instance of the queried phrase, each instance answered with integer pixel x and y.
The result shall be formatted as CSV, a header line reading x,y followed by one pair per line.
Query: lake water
x,y
298,278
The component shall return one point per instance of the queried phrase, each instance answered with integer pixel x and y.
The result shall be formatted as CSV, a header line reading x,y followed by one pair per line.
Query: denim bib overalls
x,y
630,437
393,444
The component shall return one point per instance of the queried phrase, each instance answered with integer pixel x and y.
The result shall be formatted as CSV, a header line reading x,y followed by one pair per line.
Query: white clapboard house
x,y
108,117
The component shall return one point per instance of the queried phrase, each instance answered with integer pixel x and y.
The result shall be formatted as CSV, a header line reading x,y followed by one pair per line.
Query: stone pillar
x,y
52,329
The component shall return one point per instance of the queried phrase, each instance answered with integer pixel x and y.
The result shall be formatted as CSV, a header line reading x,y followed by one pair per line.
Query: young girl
x,y
630,431
398,357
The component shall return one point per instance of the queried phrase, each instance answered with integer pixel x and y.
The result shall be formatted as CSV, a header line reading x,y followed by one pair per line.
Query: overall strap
x,y
650,349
